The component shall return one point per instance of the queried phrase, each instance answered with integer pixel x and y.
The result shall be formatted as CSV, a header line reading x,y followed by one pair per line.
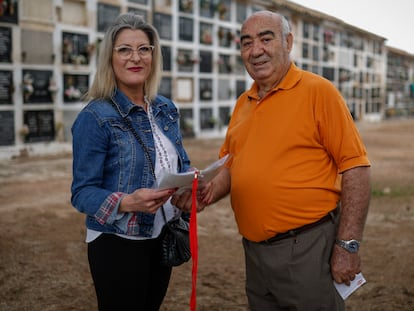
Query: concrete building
x,y
400,84
351,58
49,48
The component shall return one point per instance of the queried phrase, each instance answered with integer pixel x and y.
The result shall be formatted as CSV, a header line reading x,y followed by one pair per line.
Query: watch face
x,y
353,246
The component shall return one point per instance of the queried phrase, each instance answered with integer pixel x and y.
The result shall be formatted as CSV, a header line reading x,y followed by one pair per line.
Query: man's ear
x,y
289,41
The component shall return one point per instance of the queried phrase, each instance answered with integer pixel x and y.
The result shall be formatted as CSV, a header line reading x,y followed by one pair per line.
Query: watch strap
x,y
351,246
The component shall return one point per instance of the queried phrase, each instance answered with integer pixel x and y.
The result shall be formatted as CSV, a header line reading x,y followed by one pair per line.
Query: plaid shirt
x,y
108,213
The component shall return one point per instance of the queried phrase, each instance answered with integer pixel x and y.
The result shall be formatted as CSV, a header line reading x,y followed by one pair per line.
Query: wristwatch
x,y
351,246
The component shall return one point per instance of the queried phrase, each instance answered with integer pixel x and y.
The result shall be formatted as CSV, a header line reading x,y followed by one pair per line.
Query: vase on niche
x,y
27,87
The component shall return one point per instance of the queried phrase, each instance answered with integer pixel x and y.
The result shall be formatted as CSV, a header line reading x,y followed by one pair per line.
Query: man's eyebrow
x,y
243,37
261,34
266,32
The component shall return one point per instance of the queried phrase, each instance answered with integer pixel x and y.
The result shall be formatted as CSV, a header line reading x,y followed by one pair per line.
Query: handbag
x,y
175,242
174,237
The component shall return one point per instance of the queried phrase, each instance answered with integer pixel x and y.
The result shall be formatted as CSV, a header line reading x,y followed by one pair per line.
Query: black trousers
x,y
127,274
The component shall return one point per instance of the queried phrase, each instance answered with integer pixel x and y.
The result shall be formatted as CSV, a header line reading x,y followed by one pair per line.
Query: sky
x,y
391,19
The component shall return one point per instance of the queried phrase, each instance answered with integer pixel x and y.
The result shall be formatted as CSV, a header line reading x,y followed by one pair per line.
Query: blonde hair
x,y
104,83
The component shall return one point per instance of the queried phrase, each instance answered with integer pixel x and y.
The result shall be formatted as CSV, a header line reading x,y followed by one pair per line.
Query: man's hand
x,y
344,265
183,199
207,193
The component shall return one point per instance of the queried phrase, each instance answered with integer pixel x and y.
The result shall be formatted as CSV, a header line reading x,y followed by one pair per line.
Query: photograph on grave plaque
x,y
75,86
8,11
35,86
40,125
106,15
6,128
6,87
5,45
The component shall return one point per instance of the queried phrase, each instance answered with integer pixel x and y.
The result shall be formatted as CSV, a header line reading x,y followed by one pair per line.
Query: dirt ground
x,y
43,264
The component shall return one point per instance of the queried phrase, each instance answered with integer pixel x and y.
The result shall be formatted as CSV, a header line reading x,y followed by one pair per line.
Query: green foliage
x,y
394,192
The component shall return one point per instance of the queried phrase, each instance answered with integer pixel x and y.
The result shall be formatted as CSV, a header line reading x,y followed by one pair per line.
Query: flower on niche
x,y
73,93
24,131
28,88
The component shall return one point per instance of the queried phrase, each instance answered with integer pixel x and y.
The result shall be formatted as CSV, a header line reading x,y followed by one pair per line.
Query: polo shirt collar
x,y
292,77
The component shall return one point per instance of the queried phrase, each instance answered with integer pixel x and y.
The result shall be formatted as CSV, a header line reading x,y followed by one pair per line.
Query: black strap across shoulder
x,y
144,147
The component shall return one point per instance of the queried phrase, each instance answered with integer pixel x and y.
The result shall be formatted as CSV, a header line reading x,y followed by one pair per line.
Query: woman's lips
x,y
135,69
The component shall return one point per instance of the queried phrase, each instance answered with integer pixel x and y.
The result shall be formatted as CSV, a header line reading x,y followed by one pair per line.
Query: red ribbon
x,y
194,241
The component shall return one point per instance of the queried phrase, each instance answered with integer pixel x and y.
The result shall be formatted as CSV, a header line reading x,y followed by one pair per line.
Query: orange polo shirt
x,y
287,152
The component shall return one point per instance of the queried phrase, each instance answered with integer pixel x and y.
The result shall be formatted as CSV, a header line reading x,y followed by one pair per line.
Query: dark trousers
x,y
293,273
127,274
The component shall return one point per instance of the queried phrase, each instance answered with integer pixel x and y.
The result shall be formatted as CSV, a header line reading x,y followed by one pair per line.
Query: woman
x,y
115,170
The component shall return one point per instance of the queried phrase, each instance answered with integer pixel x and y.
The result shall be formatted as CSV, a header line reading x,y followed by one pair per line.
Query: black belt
x,y
294,232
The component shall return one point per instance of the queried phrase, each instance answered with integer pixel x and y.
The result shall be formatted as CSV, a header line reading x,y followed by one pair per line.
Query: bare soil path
x,y
43,264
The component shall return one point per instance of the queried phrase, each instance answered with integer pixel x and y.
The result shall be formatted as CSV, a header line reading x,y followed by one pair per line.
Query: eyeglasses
x,y
125,52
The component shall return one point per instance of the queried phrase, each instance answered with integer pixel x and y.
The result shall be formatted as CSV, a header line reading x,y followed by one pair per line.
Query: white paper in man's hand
x,y
345,291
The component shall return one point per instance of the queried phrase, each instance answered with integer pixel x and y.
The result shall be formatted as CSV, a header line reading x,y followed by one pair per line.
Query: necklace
x,y
160,148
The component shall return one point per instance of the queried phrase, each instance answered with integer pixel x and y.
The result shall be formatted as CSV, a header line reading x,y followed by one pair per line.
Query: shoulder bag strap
x,y
144,147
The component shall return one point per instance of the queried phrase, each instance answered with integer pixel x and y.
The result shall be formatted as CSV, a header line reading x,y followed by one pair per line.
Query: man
x,y
295,155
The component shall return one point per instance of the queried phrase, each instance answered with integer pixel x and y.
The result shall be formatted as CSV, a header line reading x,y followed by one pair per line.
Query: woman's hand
x,y
145,200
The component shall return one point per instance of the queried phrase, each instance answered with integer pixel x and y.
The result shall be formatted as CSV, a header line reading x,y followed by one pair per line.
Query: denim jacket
x,y
109,162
